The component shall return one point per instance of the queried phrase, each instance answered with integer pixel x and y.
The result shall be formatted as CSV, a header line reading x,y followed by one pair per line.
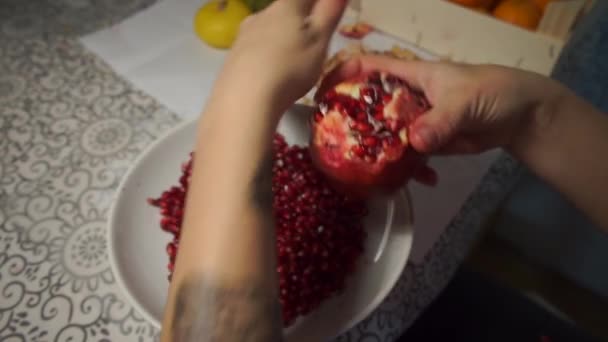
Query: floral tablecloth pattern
x,y
21,19
69,129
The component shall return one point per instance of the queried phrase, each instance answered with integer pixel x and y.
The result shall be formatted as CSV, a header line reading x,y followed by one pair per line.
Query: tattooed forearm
x,y
206,312
208,306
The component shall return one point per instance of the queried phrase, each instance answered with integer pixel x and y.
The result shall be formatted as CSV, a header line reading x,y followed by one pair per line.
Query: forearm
x,y
224,286
566,146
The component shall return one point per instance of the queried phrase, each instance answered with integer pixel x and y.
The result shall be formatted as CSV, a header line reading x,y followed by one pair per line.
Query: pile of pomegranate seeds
x,y
320,234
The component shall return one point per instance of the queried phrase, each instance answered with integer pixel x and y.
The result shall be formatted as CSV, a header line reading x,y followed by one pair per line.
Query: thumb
x,y
432,130
344,70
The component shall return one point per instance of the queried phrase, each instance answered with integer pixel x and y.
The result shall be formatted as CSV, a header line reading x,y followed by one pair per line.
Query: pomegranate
x,y
360,133
319,231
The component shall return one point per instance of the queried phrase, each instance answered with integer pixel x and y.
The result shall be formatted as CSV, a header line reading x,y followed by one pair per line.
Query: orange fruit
x,y
523,13
541,3
475,4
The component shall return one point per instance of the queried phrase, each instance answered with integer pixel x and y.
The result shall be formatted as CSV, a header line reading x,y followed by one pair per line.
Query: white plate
x,y
137,244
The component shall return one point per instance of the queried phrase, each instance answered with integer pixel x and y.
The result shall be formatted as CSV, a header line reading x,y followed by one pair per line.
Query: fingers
x,y
299,8
431,131
326,14
302,7
428,133
416,73
343,71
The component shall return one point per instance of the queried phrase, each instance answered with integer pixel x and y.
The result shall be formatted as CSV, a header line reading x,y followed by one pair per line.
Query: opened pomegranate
x,y
360,133
320,233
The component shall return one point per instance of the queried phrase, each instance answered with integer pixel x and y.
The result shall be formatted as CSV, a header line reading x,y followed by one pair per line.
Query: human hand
x,y
278,54
474,108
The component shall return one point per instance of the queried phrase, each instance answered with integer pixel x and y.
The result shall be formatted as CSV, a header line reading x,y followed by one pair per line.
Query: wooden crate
x,y
463,35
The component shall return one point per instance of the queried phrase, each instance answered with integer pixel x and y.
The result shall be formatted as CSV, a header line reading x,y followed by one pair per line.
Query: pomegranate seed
x,y
341,109
171,250
370,141
358,150
378,113
330,95
361,127
360,117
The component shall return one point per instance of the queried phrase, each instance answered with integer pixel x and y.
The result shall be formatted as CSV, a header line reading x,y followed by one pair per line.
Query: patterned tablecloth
x,y
69,129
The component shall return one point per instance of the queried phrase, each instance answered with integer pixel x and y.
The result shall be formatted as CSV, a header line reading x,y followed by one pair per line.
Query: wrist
x,y
244,101
538,122
246,88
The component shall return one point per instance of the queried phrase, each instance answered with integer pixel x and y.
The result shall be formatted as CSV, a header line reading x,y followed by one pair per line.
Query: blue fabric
x,y
583,64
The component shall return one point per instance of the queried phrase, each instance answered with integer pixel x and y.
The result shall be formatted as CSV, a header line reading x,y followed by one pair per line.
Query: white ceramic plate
x,y
137,244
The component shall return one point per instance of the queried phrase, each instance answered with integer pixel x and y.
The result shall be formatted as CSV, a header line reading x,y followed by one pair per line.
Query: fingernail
x,y
426,136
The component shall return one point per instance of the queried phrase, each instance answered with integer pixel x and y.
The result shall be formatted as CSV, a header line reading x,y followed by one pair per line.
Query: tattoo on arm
x,y
206,312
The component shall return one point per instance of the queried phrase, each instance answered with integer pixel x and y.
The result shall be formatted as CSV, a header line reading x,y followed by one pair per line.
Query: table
x,y
70,127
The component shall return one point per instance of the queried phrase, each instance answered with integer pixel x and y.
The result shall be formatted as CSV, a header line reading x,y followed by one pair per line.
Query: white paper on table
x,y
159,53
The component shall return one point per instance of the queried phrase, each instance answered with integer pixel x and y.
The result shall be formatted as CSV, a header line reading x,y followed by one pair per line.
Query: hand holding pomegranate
x,y
279,52
474,108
